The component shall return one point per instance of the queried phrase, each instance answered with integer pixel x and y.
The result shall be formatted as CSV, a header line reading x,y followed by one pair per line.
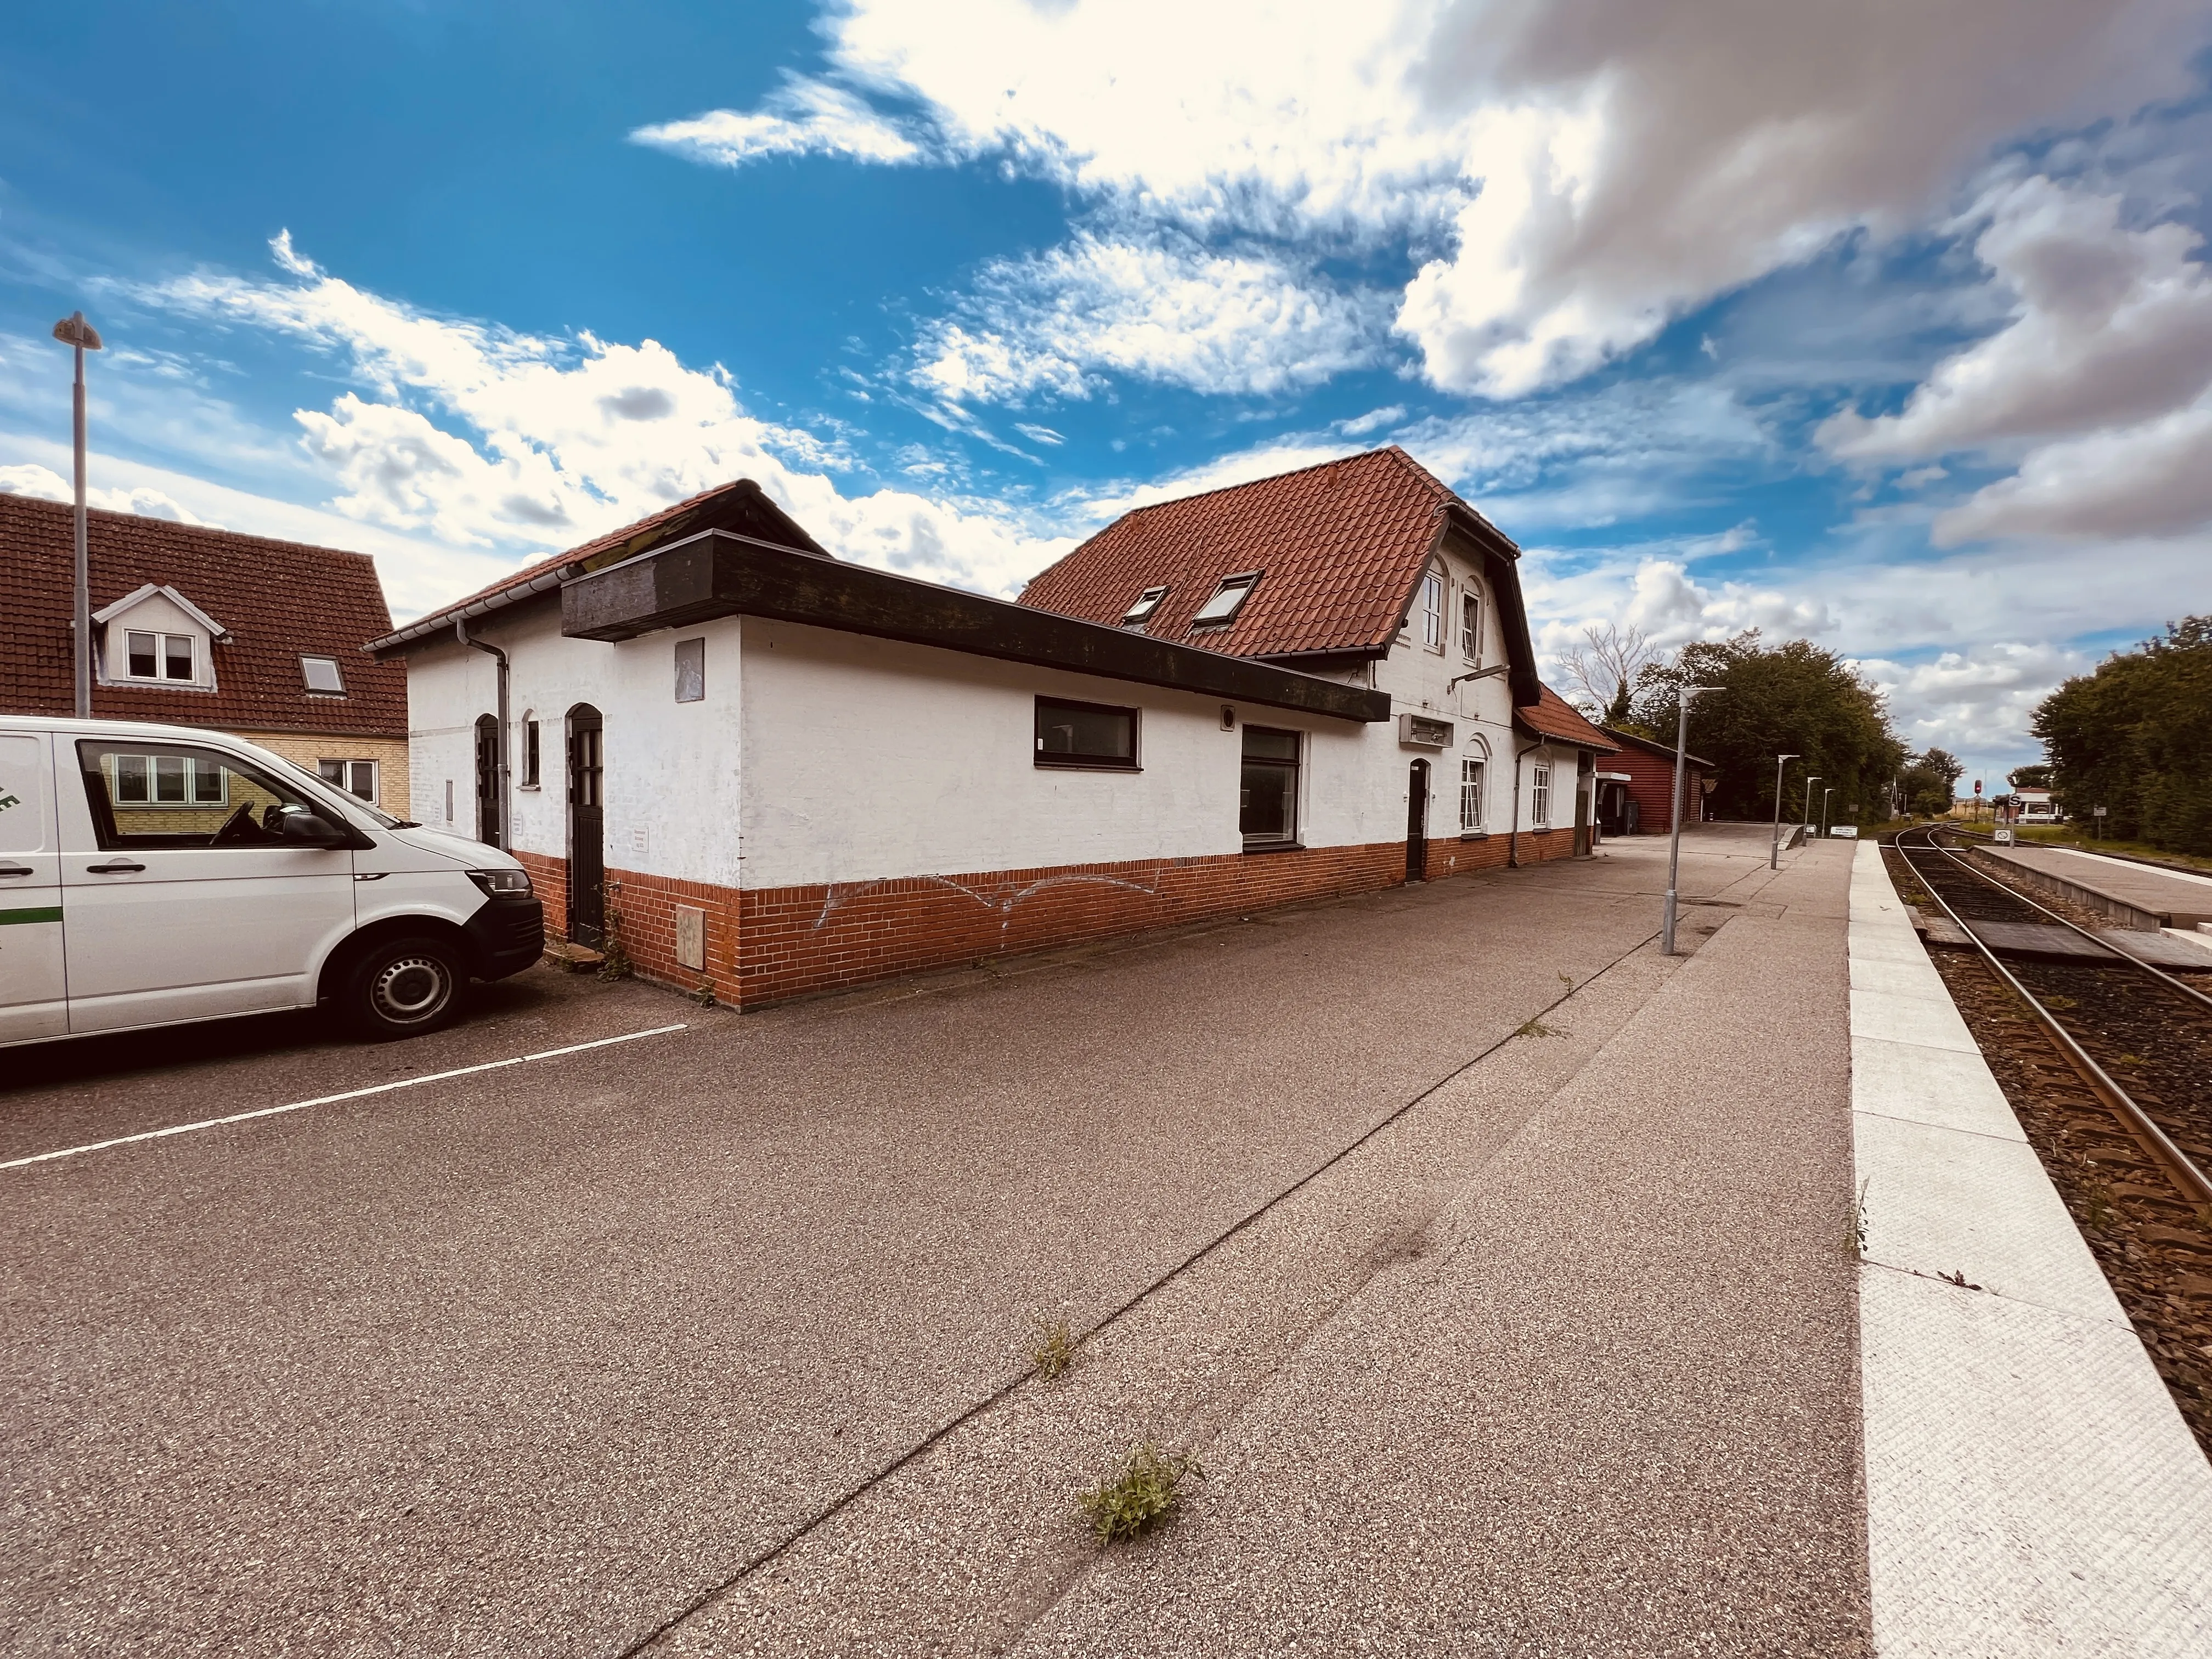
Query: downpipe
x,y
500,772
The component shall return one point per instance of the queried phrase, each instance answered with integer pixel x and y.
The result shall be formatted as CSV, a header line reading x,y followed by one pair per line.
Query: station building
x,y
1636,790
766,771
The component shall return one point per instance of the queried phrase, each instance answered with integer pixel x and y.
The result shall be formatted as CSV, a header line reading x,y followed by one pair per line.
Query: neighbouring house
x,y
195,626
1635,793
766,771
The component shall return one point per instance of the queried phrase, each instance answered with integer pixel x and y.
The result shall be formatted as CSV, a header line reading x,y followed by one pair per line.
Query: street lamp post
x,y
1675,829
1825,793
1774,854
74,331
1810,782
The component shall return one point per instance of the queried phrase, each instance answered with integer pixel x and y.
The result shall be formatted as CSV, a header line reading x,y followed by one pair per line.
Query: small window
x,y
1470,628
530,753
1432,611
1228,599
144,648
1141,612
1470,796
159,657
1085,734
1267,795
322,675
355,777
176,656
1539,796
690,671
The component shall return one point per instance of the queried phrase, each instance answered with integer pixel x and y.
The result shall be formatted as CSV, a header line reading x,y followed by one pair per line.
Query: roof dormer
x,y
155,637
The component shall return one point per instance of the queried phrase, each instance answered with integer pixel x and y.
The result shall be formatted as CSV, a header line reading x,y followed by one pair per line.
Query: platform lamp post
x,y
1825,793
1675,828
1810,782
74,331
1774,856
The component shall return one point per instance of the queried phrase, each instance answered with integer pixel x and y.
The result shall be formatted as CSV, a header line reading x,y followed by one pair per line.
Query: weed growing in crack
x,y
615,960
1855,1227
1534,1026
1055,1350
1143,1494
704,996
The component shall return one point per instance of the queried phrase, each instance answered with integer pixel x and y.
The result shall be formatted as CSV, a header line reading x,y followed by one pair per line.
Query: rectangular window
x,y
529,755
182,778
176,656
1470,796
1539,796
1228,599
690,671
323,675
1141,612
184,796
144,648
1470,628
1267,795
1088,734
159,657
1432,611
355,777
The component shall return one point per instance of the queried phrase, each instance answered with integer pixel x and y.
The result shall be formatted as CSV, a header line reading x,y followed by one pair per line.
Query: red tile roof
x,y
1552,716
740,505
1340,544
277,598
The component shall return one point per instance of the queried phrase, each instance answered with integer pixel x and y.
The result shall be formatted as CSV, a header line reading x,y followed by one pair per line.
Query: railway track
x,y
2107,1062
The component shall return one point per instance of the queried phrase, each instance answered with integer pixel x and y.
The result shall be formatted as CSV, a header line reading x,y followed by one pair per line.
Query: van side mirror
x,y
305,830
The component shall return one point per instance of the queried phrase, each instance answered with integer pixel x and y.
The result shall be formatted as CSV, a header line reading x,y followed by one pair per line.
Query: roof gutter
x,y
439,621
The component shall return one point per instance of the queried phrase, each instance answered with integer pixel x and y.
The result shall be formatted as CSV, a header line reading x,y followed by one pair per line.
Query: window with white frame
x,y
1470,627
1539,796
185,778
1432,611
355,777
1470,795
158,656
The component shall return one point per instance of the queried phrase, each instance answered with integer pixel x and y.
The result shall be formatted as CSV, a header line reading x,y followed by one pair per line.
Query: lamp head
x,y
74,331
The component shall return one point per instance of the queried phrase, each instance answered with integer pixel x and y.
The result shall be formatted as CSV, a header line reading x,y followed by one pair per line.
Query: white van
x,y
154,874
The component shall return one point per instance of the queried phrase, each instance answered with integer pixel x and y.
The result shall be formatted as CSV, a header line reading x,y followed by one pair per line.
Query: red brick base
x,y
768,945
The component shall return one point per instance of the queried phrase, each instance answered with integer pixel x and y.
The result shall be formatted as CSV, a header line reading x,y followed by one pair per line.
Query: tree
x,y
1601,671
1931,782
2029,777
2135,738
1791,698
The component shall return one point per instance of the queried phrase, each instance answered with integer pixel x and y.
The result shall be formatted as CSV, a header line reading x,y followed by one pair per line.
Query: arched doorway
x,y
588,856
1417,823
487,801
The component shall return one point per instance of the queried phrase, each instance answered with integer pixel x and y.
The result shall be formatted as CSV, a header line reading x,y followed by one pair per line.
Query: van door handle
x,y
16,870
113,867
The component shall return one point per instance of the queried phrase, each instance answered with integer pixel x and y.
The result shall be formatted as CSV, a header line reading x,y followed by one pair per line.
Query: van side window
x,y
157,795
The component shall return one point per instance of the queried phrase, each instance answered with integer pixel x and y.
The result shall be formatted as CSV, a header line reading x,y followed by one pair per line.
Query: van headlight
x,y
502,884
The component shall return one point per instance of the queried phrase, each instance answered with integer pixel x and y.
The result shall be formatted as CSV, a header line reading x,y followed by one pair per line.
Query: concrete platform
x,y
2031,1488
2136,895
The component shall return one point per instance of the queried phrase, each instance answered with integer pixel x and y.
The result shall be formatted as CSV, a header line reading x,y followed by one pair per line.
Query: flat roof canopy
x,y
719,573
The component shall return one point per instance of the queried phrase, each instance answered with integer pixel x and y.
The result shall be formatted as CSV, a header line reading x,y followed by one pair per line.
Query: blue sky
x,y
1888,331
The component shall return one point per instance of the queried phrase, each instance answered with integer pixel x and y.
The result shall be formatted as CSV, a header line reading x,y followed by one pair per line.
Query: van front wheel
x,y
401,988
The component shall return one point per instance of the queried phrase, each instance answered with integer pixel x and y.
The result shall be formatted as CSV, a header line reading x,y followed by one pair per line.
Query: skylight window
x,y
1228,599
1141,612
322,675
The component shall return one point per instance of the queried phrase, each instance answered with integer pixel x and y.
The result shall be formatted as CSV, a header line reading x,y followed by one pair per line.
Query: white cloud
x,y
44,484
559,440
804,116
1976,702
1584,173
2100,384
1172,313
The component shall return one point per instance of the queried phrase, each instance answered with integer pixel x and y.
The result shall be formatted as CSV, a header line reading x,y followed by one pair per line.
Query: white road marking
x,y
328,1100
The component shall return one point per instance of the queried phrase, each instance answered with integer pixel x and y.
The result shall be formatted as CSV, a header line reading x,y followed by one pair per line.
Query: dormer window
x,y
322,675
1228,599
1141,613
160,656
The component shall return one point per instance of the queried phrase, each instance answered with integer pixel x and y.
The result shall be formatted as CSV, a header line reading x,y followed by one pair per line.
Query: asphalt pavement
x,y
541,1360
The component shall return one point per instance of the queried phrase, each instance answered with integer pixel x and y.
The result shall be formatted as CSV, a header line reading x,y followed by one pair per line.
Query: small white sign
x,y
638,840
2002,836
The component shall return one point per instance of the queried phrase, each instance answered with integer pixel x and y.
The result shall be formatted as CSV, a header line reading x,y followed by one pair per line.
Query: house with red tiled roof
x,y
761,770
195,626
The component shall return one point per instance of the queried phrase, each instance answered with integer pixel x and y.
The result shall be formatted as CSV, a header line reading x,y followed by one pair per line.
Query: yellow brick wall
x,y
305,748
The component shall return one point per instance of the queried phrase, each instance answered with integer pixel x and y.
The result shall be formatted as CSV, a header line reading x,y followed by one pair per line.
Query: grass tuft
x,y
1055,1350
1855,1227
1534,1026
1143,1495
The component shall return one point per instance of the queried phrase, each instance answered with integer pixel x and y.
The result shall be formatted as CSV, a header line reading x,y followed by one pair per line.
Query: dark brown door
x,y
1417,823
588,857
488,780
